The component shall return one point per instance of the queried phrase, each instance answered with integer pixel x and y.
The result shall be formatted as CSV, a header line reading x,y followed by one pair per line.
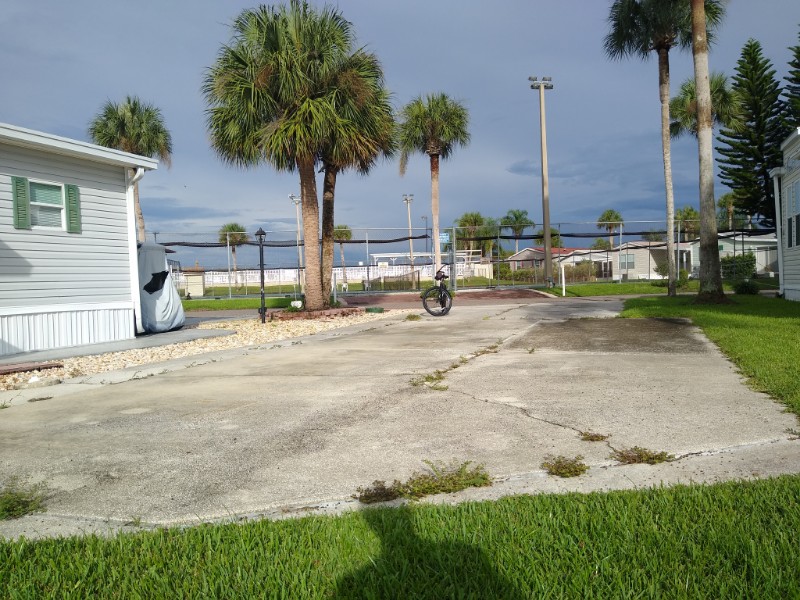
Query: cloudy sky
x,y
62,60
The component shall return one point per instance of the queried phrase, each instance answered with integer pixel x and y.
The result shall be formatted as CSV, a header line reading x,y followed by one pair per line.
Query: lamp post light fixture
x,y
260,235
296,201
408,199
546,83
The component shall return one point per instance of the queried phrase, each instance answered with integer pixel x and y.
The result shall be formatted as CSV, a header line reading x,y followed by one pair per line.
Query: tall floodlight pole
x,y
296,201
425,220
408,199
545,84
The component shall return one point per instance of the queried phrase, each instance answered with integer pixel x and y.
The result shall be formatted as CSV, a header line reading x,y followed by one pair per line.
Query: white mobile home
x,y
787,216
68,266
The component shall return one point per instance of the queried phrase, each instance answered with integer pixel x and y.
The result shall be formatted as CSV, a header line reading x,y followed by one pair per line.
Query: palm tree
x,y
342,233
683,107
728,213
364,105
710,274
609,221
434,126
233,235
639,27
689,221
489,230
516,220
289,91
470,223
135,127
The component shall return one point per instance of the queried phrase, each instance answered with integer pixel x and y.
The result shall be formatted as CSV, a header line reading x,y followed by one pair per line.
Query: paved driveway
x,y
298,426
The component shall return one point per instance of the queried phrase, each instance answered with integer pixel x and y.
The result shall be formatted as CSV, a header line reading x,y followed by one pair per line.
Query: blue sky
x,y
66,59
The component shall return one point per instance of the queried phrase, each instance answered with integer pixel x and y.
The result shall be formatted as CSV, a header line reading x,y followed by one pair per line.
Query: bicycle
x,y
437,300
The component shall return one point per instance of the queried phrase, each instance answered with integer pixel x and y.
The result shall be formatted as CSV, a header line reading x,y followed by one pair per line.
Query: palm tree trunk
x,y
437,264
710,275
663,93
729,208
328,192
137,209
308,194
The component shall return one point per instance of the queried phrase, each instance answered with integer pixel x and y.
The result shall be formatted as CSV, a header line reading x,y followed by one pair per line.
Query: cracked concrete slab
x,y
297,428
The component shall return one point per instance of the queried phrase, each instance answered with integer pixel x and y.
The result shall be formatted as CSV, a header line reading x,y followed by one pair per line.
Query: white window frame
x,y
32,204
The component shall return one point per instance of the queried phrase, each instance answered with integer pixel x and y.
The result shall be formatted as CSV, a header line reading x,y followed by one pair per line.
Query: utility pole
x,y
545,84
296,200
408,199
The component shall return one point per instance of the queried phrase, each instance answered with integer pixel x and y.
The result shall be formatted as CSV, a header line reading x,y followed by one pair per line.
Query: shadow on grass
x,y
411,566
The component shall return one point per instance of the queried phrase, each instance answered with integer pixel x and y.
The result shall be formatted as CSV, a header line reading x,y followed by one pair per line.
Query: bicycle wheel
x,y
437,302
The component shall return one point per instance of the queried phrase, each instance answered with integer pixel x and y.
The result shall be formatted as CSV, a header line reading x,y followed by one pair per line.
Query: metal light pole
x,y
545,84
408,199
296,200
425,220
260,235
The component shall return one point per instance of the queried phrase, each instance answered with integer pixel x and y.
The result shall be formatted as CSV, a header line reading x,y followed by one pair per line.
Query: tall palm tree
x,y
233,235
609,221
363,106
434,125
285,92
727,202
516,220
490,230
342,233
710,274
638,27
136,127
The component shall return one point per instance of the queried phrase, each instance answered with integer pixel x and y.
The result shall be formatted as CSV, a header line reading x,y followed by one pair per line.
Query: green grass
x,y
681,542
760,335
224,303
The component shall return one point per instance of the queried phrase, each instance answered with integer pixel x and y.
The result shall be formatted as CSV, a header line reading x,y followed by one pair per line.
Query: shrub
x,y
746,286
741,266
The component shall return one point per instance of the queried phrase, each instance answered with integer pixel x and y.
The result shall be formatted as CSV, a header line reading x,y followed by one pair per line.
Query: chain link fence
x,y
392,259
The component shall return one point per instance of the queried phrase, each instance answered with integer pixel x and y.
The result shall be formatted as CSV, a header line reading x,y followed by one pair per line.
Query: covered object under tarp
x,y
161,304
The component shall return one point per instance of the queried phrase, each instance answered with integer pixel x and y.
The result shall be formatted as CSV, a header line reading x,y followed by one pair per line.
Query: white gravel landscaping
x,y
249,332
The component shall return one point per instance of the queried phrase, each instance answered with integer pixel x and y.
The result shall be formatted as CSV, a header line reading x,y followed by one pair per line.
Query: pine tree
x,y
750,152
792,89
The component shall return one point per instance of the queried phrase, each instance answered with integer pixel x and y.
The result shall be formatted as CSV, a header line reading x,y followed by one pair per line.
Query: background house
x,y
68,270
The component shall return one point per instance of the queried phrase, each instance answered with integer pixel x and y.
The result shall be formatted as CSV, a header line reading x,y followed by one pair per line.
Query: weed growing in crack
x,y
413,317
439,478
562,466
17,500
639,455
531,350
590,436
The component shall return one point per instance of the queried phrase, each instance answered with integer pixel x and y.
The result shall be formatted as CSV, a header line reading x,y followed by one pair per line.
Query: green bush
x,y
746,286
683,278
741,266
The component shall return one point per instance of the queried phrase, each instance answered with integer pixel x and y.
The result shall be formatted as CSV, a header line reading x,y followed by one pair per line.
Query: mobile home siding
x,y
791,255
58,288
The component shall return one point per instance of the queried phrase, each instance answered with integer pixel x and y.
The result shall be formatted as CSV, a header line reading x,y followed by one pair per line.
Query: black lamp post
x,y
260,235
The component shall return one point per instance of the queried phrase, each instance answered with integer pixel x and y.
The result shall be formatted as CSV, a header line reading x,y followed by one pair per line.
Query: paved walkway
x,y
296,427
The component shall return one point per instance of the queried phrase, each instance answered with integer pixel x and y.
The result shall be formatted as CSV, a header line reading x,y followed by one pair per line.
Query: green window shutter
x,y
21,203
73,204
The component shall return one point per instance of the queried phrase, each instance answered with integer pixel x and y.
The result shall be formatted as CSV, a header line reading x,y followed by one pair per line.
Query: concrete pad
x,y
298,427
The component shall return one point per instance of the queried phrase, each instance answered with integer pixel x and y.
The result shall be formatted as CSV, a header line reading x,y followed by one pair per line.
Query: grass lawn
x,y
226,303
760,335
733,540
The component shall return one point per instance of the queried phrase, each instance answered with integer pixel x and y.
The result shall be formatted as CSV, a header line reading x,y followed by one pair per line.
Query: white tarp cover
x,y
161,305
